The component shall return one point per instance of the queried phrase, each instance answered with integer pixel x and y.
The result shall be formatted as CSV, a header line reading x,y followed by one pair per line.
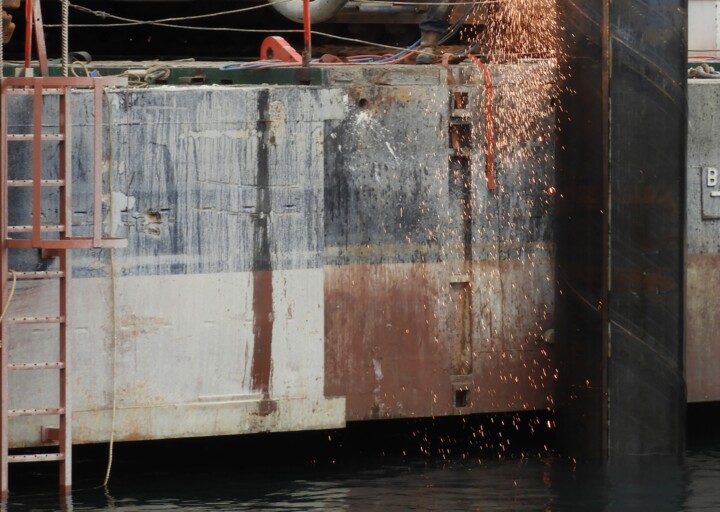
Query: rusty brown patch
x,y
398,344
262,330
702,348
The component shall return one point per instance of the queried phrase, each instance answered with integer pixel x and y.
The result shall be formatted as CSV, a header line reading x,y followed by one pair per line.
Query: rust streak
x,y
262,331
262,265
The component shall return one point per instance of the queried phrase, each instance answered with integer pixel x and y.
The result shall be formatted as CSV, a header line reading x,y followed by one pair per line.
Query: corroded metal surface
x,y
438,291
399,355
703,347
300,257
703,243
219,293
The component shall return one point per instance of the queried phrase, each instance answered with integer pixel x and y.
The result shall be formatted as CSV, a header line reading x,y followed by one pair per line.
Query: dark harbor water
x,y
366,470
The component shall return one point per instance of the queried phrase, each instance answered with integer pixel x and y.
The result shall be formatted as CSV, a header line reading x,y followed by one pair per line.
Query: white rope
x,y
12,290
113,293
65,37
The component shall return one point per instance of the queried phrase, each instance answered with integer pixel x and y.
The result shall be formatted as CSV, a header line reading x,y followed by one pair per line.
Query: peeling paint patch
x,y
363,118
117,204
277,117
378,370
152,216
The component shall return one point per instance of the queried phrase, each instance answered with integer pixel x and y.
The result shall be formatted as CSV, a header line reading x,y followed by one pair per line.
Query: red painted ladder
x,y
52,240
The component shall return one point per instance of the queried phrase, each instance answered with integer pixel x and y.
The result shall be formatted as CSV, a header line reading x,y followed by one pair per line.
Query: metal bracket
x,y
49,434
276,48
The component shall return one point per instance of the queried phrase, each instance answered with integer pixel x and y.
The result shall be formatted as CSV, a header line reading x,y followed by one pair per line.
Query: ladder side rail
x,y
65,213
4,210
65,420
37,165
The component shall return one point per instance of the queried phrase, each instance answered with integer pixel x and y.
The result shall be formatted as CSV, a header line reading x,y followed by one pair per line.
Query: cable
x,y
140,78
103,14
113,294
398,57
164,22
12,292
82,65
479,2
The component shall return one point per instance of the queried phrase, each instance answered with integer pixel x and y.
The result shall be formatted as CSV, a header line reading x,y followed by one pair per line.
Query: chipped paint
x,y
702,348
118,203
292,263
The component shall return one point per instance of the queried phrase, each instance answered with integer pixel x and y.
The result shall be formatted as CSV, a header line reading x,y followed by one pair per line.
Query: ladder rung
x,y
13,413
50,91
54,228
67,243
37,320
36,366
36,457
39,274
14,137
30,183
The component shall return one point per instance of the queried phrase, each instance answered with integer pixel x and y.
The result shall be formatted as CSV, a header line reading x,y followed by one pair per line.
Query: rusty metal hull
x,y
401,353
438,291
703,247
301,257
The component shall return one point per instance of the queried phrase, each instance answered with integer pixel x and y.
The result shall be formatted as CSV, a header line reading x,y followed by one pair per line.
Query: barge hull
x,y
299,257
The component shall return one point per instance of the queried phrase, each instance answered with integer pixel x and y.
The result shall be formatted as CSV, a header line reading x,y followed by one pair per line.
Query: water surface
x,y
241,478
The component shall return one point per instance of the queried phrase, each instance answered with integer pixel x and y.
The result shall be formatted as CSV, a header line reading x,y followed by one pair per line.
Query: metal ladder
x,y
53,240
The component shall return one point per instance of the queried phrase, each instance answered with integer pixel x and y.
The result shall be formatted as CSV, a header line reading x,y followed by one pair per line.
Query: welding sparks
x,y
518,32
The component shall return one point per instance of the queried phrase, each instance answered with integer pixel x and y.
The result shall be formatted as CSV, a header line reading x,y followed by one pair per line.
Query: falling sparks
x,y
519,44
516,34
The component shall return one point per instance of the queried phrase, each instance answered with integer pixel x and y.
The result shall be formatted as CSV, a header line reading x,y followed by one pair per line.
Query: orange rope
x,y
489,130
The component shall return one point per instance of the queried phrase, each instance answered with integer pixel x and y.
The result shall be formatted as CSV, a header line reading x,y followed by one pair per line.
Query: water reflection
x,y
538,484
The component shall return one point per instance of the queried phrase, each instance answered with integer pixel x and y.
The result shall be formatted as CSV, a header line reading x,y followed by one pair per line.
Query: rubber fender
x,y
320,10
